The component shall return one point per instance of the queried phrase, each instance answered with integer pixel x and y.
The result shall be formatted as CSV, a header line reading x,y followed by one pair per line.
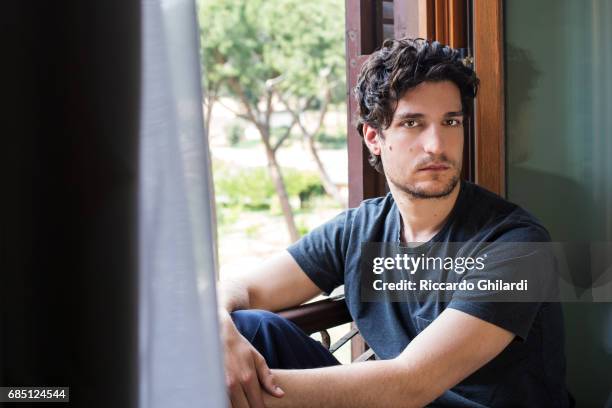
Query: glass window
x,y
559,151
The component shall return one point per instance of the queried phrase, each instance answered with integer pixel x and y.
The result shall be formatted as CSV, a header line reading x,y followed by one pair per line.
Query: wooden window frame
x,y
490,139
363,181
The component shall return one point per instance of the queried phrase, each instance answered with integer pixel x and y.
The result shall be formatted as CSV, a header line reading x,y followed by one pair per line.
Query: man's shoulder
x,y
360,219
376,203
372,209
367,220
502,219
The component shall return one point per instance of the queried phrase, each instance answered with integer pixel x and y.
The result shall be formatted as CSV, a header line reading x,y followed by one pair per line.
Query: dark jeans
x,y
280,342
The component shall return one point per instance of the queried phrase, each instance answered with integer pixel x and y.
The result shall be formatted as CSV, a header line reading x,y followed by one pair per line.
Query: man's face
x,y
422,149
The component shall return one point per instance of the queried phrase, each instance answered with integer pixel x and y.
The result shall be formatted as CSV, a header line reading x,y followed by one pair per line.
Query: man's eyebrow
x,y
416,115
408,115
452,114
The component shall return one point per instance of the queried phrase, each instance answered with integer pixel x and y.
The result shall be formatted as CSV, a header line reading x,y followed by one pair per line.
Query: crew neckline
x,y
399,221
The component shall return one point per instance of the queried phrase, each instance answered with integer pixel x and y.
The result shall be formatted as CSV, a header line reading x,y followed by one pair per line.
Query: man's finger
x,y
238,399
236,394
252,390
266,378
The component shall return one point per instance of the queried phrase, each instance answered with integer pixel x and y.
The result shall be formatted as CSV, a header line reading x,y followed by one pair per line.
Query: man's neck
x,y
422,218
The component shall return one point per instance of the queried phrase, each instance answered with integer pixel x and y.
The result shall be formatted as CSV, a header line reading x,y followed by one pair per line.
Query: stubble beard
x,y
423,193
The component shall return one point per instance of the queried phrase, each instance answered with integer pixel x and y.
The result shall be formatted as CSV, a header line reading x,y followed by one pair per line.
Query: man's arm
x,y
451,348
277,284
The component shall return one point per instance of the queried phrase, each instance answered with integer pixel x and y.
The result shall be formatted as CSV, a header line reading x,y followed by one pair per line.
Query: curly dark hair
x,y
400,65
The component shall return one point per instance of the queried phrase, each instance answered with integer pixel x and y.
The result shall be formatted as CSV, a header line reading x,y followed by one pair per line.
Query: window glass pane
x,y
558,114
559,155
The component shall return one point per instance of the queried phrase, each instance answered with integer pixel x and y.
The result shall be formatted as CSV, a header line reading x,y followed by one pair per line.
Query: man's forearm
x,y
385,383
431,363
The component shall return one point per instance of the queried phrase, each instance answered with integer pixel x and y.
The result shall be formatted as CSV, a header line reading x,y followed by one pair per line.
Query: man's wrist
x,y
228,329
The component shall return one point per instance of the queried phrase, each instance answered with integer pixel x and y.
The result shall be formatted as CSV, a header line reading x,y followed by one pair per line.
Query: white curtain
x,y
180,358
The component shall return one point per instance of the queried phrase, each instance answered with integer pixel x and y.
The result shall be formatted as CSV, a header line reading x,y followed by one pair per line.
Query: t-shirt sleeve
x,y
516,317
321,253
509,260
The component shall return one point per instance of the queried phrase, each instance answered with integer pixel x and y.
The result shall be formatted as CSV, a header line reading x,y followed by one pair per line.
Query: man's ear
x,y
371,139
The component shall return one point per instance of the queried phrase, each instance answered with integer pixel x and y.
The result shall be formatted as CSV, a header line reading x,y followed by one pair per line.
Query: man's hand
x,y
276,284
246,370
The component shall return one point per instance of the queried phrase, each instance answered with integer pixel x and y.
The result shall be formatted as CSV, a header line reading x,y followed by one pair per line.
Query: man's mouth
x,y
435,167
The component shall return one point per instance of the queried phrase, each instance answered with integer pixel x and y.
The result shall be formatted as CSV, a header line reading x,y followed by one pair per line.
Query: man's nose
x,y
433,140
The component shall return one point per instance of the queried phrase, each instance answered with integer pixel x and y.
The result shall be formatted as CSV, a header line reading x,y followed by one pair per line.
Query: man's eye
x,y
411,123
453,122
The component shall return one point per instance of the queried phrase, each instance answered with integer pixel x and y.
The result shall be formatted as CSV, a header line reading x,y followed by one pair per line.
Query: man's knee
x,y
251,322
280,342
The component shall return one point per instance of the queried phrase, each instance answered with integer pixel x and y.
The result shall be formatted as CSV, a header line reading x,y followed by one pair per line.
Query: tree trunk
x,y
208,107
210,97
328,184
329,187
273,167
281,192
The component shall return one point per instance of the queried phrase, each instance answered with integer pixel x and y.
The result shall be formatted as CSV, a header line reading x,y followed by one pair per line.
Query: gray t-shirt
x,y
530,372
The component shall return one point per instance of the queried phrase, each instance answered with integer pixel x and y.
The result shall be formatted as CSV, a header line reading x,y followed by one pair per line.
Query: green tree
x,y
270,53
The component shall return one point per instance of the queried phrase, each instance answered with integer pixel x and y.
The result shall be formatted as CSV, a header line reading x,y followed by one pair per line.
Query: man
x,y
413,98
